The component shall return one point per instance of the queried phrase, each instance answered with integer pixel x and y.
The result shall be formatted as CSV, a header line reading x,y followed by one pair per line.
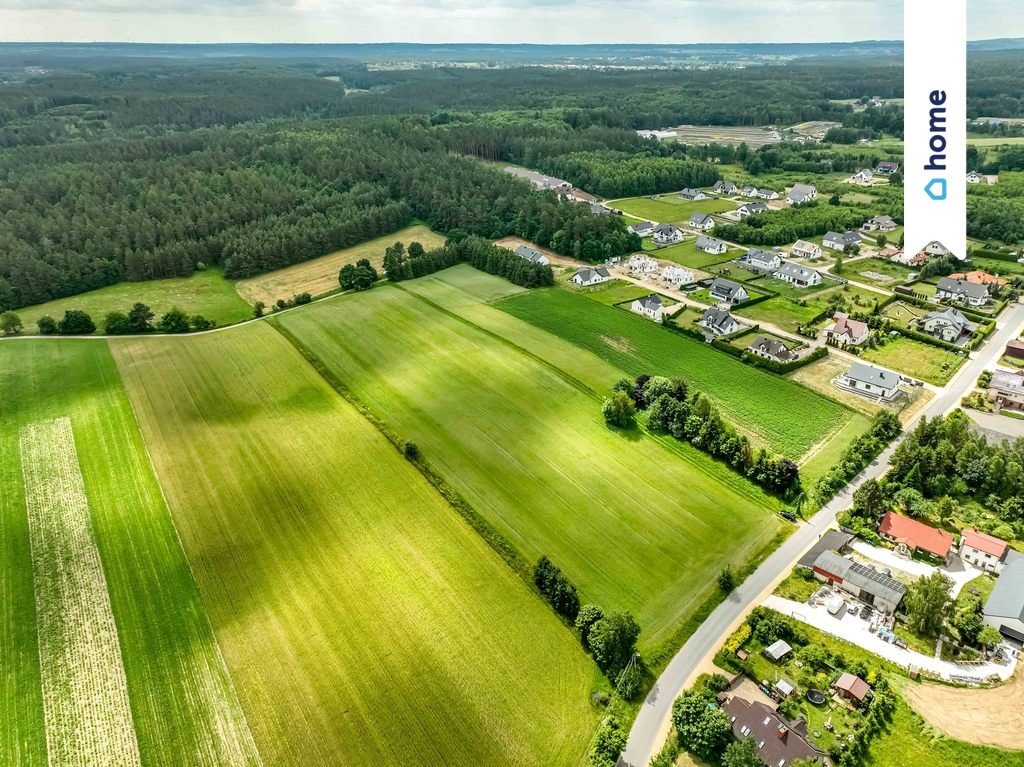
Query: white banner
x,y
935,125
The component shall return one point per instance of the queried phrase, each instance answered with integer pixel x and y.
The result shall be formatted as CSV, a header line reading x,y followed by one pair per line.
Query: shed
x,y
777,650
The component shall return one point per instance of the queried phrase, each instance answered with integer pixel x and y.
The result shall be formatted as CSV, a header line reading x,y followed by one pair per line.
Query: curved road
x,y
651,728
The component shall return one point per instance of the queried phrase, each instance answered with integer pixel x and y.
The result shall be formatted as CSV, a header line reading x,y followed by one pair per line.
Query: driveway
x,y
997,428
959,571
857,631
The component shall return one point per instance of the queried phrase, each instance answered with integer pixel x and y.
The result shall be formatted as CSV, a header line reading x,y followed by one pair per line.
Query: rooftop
x,y
915,534
985,542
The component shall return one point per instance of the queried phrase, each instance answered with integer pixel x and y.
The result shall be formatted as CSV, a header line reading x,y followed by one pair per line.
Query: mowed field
x,y
363,621
207,293
320,275
505,412
670,208
72,459
761,404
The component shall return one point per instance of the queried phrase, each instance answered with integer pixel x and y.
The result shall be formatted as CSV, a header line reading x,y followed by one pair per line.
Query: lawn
x,y
611,292
638,346
359,615
921,360
686,253
904,314
320,275
670,208
183,706
637,522
878,271
789,313
206,293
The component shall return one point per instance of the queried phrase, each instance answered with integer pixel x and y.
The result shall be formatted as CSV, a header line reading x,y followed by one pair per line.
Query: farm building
x,y
862,582
711,245
649,306
692,194
841,241
852,688
805,249
758,260
727,291
984,551
529,254
879,224
962,291
832,540
794,274
590,276
948,324
718,321
1007,389
779,742
870,381
666,234
770,349
702,222
598,209
1004,609
911,536
641,228
751,209
844,331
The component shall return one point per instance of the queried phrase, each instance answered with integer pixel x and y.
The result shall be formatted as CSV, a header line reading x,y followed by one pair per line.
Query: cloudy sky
x,y
535,21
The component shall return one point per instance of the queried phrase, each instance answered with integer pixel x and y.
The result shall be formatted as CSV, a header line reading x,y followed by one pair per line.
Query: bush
x,y
411,450
117,324
76,323
10,323
587,616
175,321
47,325
613,642
608,744
629,681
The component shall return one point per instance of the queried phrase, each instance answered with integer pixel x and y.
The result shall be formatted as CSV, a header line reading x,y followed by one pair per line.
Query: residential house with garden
x,y
667,234
763,261
702,222
779,742
718,321
800,276
879,224
949,325
887,167
641,228
984,551
728,291
692,194
862,176
1006,389
852,689
529,254
748,209
711,245
649,306
770,349
870,381
847,332
910,537
805,249
841,241
724,187
587,276
801,193
962,292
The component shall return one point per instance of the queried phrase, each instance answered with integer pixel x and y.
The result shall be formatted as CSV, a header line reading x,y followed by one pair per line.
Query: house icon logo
x,y
936,189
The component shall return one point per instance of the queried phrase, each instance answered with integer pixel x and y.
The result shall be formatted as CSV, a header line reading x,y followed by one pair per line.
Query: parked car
x,y
852,609
866,613
788,515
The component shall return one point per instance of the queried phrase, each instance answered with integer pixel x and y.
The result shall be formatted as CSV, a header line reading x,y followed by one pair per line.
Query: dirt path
x,y
990,717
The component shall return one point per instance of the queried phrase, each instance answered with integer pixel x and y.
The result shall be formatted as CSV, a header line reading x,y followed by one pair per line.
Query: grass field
x,y
877,271
789,314
670,208
639,346
612,292
363,620
522,439
921,360
206,293
903,313
686,253
997,266
320,275
995,140
183,705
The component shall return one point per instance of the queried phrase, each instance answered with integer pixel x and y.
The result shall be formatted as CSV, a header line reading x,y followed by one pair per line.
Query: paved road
x,y
652,724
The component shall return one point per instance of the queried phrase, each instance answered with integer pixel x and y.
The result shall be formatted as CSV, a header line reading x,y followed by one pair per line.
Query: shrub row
x,y
476,251
884,429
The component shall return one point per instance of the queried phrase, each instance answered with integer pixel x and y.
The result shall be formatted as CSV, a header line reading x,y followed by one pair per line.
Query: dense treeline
x,y
789,224
997,212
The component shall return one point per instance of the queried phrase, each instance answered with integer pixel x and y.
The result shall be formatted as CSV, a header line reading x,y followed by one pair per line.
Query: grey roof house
x,y
529,254
861,581
1004,609
970,293
727,290
801,276
702,221
719,321
762,260
770,349
711,244
692,194
948,324
870,381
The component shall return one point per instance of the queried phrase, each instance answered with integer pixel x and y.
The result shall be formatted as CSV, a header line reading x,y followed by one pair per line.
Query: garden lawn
x,y
636,345
637,522
878,271
686,254
789,314
363,620
904,314
921,360
613,292
320,275
670,208
207,293
183,704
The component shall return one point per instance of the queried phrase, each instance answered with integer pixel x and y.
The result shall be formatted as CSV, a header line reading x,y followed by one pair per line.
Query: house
x,y
728,291
936,248
751,209
641,228
599,210
1004,609
962,291
911,536
1014,349
981,278
718,321
852,688
692,194
841,241
711,245
529,254
666,234
832,540
777,650
801,193
590,276
649,306
758,260
770,349
676,275
1007,389
887,168
750,191
767,194
879,224
805,249
984,551
862,176
870,381
949,325
862,582
974,177
724,187
701,221
845,331
640,264
779,742
794,274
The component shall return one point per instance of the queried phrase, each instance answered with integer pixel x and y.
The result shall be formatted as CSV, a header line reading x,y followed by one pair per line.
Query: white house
x,y
936,248
590,276
845,331
692,194
862,176
770,349
718,321
962,291
724,187
805,249
879,224
751,209
728,291
870,381
750,191
974,177
801,193
702,222
676,275
984,551
1004,609
948,324
649,306
641,228
762,260
711,245
666,234
529,254
767,194
841,241
887,168
794,274
640,264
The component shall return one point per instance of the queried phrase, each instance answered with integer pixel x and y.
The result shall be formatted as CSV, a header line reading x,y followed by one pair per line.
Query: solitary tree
x,y
927,601
258,308
702,728
141,318
726,580
10,324
989,637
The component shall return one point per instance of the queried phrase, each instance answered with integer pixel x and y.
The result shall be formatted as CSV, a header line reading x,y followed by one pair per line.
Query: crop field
x,y
636,346
514,428
670,208
183,706
686,254
363,621
206,293
320,275
917,359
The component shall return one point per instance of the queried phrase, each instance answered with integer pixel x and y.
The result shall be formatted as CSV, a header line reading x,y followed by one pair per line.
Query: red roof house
x,y
914,535
983,550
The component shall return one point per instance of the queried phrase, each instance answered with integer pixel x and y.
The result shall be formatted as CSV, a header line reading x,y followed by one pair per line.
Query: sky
x,y
489,21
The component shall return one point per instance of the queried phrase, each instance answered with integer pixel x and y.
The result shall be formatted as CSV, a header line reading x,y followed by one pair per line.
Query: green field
x,y
921,360
359,615
183,706
686,253
637,523
883,273
788,314
638,346
613,292
670,208
206,293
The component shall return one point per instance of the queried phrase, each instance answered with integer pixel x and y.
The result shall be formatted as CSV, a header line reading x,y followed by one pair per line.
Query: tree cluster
x,y
885,427
475,251
556,588
779,227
